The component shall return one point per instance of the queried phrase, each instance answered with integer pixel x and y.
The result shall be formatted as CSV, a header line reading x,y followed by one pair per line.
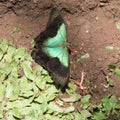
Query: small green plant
x,y
118,25
110,82
110,104
83,57
108,107
111,48
28,93
114,69
16,30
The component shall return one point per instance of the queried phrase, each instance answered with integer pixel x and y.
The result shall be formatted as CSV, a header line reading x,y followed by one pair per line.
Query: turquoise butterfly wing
x,y
57,46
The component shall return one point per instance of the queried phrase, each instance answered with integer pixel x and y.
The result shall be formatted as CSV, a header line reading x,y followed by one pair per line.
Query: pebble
x,y
104,90
100,59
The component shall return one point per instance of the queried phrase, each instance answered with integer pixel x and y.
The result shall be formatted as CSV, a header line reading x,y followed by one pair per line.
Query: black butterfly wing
x,y
58,71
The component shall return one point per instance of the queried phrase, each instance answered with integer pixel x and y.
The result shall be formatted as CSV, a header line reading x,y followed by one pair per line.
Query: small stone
x,y
104,90
96,18
95,86
100,59
87,31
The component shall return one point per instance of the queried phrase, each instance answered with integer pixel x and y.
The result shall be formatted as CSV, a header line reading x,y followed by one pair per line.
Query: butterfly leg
x,y
80,83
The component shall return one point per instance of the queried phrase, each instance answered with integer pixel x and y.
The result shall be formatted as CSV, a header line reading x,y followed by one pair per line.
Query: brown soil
x,y
91,27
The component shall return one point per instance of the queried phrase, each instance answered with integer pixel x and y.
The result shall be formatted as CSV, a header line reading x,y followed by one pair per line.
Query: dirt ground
x,y
90,27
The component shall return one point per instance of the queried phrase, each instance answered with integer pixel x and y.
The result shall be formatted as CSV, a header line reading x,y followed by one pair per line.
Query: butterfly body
x,y
50,50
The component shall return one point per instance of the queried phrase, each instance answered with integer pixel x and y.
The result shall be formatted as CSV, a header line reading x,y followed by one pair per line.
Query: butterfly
x,y
51,49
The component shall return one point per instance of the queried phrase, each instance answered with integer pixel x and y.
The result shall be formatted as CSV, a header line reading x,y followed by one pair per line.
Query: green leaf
x,y
27,95
14,71
5,70
2,91
117,106
85,101
118,25
1,54
51,93
9,115
38,69
21,103
109,103
73,98
19,53
109,48
28,113
35,90
40,83
36,108
33,43
83,115
78,116
110,82
51,117
4,45
44,107
25,87
68,109
117,72
15,92
8,57
48,79
112,67
16,112
9,90
41,98
68,116
72,87
55,108
99,116
83,57
16,30
1,111
26,65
